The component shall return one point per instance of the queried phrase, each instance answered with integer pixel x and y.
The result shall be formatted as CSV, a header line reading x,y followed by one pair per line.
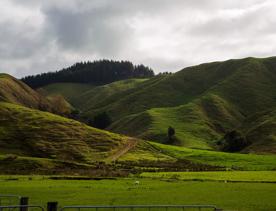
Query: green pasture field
x,y
220,176
244,196
235,161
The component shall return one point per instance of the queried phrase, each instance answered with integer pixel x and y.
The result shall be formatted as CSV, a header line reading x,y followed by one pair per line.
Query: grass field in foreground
x,y
230,196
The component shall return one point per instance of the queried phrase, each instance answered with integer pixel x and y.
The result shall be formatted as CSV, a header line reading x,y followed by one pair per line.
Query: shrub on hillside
x,y
233,141
75,114
101,121
10,157
60,105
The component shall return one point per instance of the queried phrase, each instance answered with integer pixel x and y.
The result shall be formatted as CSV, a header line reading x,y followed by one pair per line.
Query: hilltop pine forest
x,y
97,72
115,118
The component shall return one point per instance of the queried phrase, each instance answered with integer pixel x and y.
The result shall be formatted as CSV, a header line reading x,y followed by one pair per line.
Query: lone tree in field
x,y
101,121
171,133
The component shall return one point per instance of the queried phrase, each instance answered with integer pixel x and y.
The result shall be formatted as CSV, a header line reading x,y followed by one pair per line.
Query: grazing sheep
x,y
136,182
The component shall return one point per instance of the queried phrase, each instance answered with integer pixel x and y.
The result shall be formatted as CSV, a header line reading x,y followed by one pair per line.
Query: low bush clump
x,y
10,157
233,141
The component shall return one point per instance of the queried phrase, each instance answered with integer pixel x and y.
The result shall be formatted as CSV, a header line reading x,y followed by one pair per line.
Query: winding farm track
x,y
131,143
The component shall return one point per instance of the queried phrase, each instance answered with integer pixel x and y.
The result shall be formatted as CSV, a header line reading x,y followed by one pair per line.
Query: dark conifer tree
x,y
171,133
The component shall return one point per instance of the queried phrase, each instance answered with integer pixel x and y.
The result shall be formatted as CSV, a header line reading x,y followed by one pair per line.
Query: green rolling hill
x,y
32,133
40,142
27,131
87,96
69,91
260,129
14,91
201,102
36,141
205,102
93,98
32,140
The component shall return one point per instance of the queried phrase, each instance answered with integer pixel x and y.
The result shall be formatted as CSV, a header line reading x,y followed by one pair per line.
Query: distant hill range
x,y
202,103
97,72
208,106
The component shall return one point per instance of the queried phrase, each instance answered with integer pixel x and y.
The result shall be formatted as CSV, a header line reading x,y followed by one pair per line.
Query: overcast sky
x,y
46,35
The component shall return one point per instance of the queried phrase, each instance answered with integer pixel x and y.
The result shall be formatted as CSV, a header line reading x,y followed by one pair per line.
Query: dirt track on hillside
x,y
132,142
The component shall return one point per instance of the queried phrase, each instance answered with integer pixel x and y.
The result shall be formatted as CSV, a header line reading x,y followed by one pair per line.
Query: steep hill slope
x,y
69,91
87,96
38,142
260,130
41,142
201,102
249,79
198,124
15,91
93,98
27,131
33,133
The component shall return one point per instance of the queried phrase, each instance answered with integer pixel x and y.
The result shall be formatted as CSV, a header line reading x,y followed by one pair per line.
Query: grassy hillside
x,y
33,133
15,91
202,103
246,79
241,98
94,98
260,129
173,90
68,90
88,96
190,121
41,142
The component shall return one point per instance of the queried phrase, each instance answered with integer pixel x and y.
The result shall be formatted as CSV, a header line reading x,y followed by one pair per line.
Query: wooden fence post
x,y
24,201
52,206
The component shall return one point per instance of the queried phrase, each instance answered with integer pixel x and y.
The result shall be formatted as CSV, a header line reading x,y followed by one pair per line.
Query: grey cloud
x,y
19,41
249,20
98,30
164,34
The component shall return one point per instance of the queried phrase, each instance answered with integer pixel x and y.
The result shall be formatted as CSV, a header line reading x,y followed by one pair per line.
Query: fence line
x,y
148,207
20,207
9,199
53,206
